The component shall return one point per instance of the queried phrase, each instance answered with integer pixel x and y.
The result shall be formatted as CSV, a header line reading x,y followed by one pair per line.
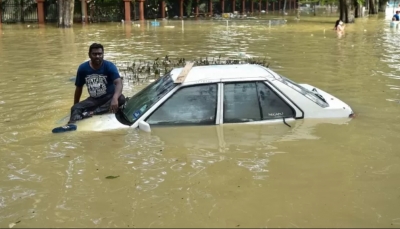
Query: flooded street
x,y
314,174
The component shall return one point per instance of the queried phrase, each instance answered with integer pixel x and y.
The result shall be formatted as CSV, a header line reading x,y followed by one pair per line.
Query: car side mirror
x,y
144,126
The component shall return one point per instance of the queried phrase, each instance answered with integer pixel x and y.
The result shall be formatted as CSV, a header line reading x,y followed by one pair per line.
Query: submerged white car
x,y
220,94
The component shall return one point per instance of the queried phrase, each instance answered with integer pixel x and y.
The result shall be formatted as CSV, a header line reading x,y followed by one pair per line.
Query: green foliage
x,y
360,2
189,6
105,10
106,1
322,2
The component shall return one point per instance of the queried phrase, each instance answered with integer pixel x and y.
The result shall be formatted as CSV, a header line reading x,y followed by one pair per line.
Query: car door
x,y
253,101
188,105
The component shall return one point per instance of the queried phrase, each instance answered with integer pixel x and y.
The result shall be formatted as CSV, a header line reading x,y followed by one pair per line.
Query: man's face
x,y
96,56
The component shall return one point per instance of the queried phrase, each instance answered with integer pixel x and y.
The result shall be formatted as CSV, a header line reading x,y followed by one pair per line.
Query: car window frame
x,y
160,103
277,89
280,97
223,100
154,104
258,101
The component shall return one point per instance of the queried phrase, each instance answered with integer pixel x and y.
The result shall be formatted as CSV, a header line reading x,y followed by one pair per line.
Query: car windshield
x,y
307,93
146,98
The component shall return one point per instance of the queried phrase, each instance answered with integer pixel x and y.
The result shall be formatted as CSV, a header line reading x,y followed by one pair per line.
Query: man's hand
x,y
117,94
114,105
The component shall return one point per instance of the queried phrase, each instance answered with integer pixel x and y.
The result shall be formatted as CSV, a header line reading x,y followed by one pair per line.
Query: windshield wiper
x,y
319,96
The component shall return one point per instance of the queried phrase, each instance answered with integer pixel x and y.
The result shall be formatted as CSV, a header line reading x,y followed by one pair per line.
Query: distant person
x,y
397,16
104,85
339,26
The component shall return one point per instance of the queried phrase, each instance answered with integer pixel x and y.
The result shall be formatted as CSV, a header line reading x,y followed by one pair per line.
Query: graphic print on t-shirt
x,y
96,85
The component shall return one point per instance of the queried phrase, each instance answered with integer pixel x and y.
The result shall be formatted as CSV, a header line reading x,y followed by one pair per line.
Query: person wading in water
x,y
339,27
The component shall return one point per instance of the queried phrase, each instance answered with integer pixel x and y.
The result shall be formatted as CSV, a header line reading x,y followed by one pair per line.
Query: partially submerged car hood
x,y
333,101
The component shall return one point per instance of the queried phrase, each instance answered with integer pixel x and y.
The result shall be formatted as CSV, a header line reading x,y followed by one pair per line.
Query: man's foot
x,y
61,129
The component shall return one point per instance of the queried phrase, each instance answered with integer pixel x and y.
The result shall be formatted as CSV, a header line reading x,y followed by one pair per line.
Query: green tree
x,y
382,5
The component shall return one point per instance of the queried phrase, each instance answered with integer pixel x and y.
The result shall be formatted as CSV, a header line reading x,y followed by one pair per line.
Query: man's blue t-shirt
x,y
99,82
396,16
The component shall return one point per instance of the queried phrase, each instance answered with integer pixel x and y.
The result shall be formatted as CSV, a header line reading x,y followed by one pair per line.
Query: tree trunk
x,y
372,7
65,13
21,11
341,9
284,7
346,11
382,5
357,9
315,10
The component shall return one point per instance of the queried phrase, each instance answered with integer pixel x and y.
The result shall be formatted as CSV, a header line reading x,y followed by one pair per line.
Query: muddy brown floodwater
x,y
315,174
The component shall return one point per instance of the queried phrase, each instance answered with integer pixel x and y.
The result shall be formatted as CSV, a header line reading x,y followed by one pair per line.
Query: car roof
x,y
234,72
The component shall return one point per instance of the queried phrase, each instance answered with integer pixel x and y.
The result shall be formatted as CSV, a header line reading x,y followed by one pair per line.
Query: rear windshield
x,y
315,97
146,98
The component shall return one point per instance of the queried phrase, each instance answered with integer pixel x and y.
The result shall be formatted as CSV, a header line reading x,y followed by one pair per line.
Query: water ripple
x,y
195,177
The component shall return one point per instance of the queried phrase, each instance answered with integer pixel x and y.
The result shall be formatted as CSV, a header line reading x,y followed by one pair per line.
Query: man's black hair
x,y
96,46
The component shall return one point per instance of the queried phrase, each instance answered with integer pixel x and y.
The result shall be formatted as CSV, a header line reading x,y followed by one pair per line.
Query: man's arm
x,y
118,88
118,91
114,74
79,82
78,93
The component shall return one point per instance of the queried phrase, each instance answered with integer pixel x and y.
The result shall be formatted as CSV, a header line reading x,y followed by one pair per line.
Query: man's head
x,y
96,52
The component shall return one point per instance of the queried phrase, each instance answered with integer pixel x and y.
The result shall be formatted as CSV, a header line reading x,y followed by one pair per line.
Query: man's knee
x,y
84,104
76,106
76,112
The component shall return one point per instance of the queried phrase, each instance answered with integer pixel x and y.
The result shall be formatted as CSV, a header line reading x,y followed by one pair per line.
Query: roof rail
x,y
185,71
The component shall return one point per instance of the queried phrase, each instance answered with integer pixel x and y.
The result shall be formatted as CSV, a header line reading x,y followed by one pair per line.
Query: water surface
x,y
314,174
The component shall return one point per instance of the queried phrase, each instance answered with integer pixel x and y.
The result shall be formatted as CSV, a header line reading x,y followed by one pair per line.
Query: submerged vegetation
x,y
139,70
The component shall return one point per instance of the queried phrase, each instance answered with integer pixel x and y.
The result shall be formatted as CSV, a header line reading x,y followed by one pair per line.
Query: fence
x,y
18,11
106,11
14,11
51,10
78,14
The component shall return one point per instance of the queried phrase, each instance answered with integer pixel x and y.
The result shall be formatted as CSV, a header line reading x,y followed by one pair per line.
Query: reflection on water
x,y
337,173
